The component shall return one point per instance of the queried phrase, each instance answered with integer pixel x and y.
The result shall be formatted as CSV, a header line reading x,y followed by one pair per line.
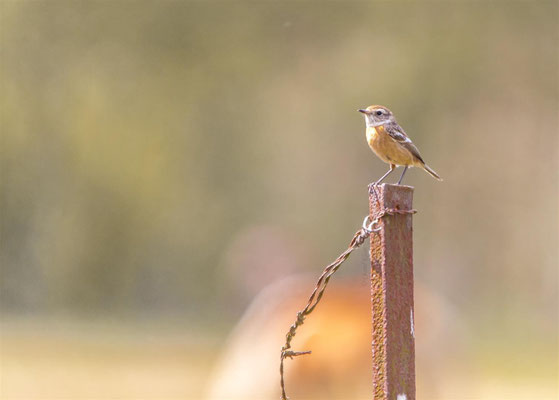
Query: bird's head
x,y
377,115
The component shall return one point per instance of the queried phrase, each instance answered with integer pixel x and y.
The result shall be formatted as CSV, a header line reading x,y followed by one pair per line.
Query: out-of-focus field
x,y
106,359
109,360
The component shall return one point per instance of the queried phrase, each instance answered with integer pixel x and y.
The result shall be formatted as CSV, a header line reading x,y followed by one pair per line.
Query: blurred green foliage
x,y
137,139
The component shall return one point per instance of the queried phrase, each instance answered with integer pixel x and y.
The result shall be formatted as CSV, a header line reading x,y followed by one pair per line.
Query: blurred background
x,y
175,175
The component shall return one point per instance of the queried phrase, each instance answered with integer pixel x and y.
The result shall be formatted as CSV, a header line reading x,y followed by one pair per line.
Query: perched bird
x,y
389,141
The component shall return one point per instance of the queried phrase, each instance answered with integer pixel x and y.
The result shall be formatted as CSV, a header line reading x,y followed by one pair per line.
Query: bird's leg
x,y
392,167
373,186
403,172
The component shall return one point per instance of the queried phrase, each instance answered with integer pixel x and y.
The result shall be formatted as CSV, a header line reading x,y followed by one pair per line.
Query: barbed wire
x,y
358,239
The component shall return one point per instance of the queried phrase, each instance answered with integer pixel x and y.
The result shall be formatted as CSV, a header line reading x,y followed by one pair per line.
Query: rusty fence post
x,y
392,295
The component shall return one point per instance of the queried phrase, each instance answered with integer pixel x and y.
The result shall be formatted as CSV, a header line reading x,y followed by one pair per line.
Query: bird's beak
x,y
363,111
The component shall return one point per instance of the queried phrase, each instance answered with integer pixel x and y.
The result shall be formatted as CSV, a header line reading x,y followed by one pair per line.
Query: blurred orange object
x,y
338,333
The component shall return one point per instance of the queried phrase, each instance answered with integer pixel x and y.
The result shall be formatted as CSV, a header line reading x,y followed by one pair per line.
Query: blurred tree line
x,y
140,139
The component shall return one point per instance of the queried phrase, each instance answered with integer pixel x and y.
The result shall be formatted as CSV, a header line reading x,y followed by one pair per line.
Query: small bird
x,y
390,143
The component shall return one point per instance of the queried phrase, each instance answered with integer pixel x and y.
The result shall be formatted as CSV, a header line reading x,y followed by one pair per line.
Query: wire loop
x,y
368,226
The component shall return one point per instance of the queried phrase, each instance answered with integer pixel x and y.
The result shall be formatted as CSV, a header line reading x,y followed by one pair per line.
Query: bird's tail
x,y
431,172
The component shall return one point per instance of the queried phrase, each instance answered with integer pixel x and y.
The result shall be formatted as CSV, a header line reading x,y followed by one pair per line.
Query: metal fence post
x,y
392,295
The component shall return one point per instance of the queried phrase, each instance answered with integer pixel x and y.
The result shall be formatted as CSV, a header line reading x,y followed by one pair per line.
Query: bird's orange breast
x,y
386,148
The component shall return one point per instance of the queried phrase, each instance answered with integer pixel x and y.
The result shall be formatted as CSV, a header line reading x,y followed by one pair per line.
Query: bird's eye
x,y
379,112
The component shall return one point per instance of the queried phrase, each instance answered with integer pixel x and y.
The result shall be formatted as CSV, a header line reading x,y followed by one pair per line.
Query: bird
x,y
390,143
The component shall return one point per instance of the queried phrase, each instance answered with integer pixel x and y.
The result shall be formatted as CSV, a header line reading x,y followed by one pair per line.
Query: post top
x,y
391,187
390,196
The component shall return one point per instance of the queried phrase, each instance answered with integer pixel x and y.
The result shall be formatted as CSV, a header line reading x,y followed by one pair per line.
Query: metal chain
x,y
358,239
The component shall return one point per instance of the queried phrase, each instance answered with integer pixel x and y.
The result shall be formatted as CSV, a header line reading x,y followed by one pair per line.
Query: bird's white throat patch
x,y
375,124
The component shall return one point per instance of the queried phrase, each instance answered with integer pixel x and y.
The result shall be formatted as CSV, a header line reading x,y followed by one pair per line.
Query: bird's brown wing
x,y
397,133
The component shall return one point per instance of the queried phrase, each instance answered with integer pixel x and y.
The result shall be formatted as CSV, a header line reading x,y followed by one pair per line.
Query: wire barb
x,y
358,239
291,353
